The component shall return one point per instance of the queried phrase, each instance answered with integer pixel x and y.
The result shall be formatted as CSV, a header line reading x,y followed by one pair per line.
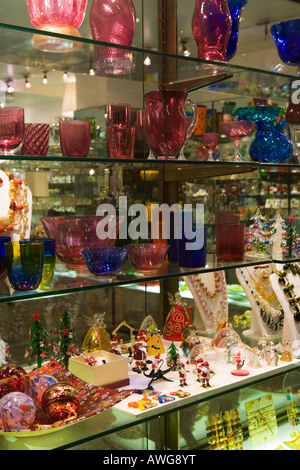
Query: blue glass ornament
x,y
235,8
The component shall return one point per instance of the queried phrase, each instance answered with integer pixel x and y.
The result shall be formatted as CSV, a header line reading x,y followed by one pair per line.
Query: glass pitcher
x,y
167,127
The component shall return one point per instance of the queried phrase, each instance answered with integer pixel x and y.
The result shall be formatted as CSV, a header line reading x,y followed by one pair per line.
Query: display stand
x,y
291,328
5,202
210,297
259,324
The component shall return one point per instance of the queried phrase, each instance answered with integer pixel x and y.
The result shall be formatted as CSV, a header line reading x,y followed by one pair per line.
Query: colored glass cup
x,y
55,16
105,262
49,260
235,8
75,138
230,240
286,36
11,128
24,264
120,140
118,114
36,139
3,268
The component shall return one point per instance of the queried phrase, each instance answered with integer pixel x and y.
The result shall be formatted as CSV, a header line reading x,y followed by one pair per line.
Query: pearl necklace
x,y
18,202
214,316
272,316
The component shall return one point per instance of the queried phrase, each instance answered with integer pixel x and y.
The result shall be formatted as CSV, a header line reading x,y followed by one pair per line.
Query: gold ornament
x,y
97,337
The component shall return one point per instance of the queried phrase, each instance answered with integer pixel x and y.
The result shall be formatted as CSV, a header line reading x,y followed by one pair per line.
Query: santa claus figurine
x,y
199,372
206,374
116,345
182,374
139,356
157,360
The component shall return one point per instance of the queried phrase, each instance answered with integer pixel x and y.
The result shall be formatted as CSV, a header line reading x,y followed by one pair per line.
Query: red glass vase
x,y
113,21
211,26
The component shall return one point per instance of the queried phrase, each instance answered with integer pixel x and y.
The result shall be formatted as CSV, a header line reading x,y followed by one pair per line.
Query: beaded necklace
x,y
214,316
288,288
18,202
272,316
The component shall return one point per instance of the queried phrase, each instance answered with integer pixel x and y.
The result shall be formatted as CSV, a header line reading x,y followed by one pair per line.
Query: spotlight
x,y
45,79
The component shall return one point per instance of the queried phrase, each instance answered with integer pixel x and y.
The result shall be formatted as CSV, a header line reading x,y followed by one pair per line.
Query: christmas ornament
x,y
178,318
37,386
97,337
258,234
6,388
66,346
61,401
153,340
17,412
277,232
291,239
11,371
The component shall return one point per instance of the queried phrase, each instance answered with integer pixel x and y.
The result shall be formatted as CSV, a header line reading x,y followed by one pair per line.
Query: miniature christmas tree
x,y
277,233
291,238
258,234
173,356
66,345
38,347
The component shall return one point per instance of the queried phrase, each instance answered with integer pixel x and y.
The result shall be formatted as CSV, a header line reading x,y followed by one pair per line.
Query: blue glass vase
x,y
270,145
286,36
235,8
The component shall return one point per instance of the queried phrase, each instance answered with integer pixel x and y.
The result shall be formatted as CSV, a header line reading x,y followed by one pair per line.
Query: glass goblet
x,y
11,129
236,130
210,141
140,114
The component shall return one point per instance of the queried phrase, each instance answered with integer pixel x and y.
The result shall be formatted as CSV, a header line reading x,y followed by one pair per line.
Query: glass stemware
x,y
11,129
236,130
286,36
210,141
140,116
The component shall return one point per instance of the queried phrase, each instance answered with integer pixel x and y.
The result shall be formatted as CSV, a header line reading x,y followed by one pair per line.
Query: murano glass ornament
x,y
235,8
270,144
56,16
113,21
211,26
286,36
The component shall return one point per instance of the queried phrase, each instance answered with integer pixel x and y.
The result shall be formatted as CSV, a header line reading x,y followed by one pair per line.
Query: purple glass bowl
x,y
75,233
105,262
147,257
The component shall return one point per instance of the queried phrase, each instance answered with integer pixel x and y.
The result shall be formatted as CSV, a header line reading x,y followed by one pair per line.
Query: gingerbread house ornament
x,y
178,318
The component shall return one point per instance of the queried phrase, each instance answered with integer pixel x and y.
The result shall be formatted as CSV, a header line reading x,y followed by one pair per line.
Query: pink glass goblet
x,y
118,114
210,141
11,129
140,116
56,16
75,138
236,130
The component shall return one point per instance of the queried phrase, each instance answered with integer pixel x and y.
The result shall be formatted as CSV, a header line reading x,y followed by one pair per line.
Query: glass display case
x,y
258,410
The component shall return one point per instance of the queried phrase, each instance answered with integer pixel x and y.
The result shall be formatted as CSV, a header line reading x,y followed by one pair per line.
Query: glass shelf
x,y
69,282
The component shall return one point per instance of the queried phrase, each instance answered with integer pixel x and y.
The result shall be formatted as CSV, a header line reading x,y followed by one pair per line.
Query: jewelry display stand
x,y
210,296
262,309
5,202
291,328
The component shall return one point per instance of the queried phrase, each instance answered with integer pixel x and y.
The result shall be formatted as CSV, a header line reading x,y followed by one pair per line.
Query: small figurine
x,y
287,355
239,362
116,345
139,356
199,363
206,374
182,374
157,361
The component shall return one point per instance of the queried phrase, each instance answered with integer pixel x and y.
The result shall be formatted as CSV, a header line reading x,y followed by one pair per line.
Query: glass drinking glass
x,y
3,269
11,128
140,116
49,260
118,114
210,141
121,141
36,139
75,138
24,264
236,130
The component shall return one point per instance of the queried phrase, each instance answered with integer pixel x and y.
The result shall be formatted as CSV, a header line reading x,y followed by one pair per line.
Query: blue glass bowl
x,y
286,36
258,113
105,262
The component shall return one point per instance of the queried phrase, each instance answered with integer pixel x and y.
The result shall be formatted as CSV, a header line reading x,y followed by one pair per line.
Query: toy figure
x,y
116,345
156,362
182,374
239,362
139,356
205,375
199,364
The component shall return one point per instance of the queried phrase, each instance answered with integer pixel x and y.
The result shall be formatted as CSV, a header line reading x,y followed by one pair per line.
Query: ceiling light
x,y
27,83
147,61
65,75
45,79
10,88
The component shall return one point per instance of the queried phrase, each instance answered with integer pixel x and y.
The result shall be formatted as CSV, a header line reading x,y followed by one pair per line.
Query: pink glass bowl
x,y
147,257
75,233
56,16
237,129
11,128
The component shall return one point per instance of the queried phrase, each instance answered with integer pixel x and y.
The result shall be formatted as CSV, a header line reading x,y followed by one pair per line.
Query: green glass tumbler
x,y
24,264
